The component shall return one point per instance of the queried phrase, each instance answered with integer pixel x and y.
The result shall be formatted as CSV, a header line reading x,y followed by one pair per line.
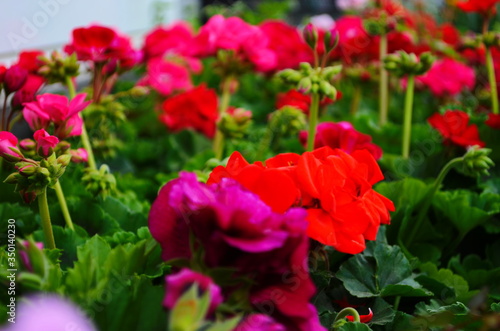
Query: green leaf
x,y
387,273
495,307
382,312
443,283
466,209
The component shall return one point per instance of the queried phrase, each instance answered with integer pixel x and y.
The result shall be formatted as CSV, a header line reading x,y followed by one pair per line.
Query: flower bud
x,y
28,195
27,144
8,147
26,168
331,41
14,78
290,76
476,162
64,160
45,143
287,121
13,178
311,35
305,84
491,39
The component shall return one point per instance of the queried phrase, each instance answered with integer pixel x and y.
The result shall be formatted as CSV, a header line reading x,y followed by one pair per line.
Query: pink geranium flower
x,y
57,109
448,77
7,142
166,77
175,39
79,155
45,143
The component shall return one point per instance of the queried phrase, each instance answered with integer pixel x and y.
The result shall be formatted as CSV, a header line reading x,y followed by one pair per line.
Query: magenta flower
x,y
342,135
178,283
14,78
248,41
448,77
45,143
175,39
166,77
236,229
8,142
27,92
56,109
259,322
49,312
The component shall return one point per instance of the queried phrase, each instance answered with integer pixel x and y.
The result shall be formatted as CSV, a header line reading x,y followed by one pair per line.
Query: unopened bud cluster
x,y
312,80
476,162
287,121
99,182
404,64
57,68
491,39
235,123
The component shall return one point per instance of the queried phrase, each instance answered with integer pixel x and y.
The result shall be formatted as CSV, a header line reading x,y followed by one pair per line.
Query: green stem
x,y
264,143
4,111
492,80
45,215
313,121
64,206
85,136
384,82
396,302
428,199
347,312
408,116
218,143
356,98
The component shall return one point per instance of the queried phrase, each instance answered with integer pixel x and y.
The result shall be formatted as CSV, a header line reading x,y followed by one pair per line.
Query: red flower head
x,y
483,7
196,109
177,39
14,78
342,135
453,126
101,44
166,77
294,98
287,44
45,143
29,60
493,121
334,187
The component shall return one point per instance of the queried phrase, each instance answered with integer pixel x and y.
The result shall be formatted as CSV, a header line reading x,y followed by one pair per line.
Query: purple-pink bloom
x,y
236,229
259,322
178,283
8,141
49,312
45,143
79,155
342,135
57,109
166,77
448,77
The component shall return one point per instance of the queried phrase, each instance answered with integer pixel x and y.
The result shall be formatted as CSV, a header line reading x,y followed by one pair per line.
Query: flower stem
x,y
408,116
265,143
45,215
313,121
85,137
347,312
218,143
356,98
492,79
4,111
384,82
64,206
429,197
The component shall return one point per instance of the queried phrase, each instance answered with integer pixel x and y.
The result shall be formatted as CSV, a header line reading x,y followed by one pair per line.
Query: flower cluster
x,y
235,229
334,187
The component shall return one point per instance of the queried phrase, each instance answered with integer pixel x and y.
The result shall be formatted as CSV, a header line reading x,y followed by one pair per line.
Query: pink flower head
x,y
58,110
342,135
177,283
166,77
14,78
448,77
27,92
357,5
8,142
49,312
232,33
259,322
175,39
45,143
79,155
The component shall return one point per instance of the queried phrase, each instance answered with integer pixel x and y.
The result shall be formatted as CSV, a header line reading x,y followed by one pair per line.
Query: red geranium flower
x,y
453,126
334,187
294,98
483,7
493,121
196,109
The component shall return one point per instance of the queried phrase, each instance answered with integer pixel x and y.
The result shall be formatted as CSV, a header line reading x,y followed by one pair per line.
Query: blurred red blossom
x,y
455,129
196,109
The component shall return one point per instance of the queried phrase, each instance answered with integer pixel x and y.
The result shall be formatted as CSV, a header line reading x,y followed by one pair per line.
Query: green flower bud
x,y
64,160
13,178
305,85
287,121
476,162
